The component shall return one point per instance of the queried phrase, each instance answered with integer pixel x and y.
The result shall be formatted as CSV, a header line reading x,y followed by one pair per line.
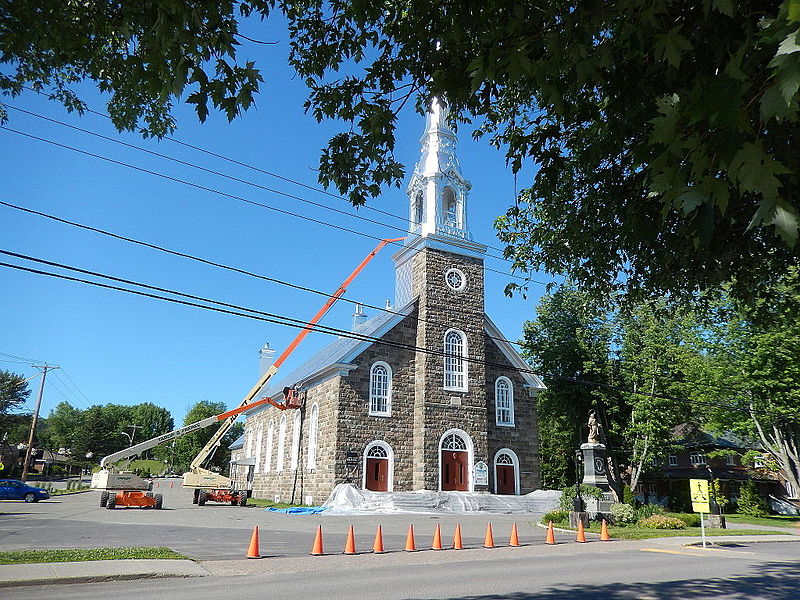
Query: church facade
x,y
436,399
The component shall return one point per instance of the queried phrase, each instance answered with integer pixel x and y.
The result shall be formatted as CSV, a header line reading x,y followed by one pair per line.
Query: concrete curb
x,y
97,570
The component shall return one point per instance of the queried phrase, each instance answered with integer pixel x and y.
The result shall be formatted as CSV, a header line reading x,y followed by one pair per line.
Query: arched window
x,y
454,442
380,390
313,428
295,439
259,436
270,438
455,367
248,436
504,402
417,213
281,443
449,206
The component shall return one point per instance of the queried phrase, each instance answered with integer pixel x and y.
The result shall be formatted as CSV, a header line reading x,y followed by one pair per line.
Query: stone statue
x,y
594,428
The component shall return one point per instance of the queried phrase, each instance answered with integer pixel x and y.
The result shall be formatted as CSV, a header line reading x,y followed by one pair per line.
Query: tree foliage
x,y
13,394
664,132
189,446
146,55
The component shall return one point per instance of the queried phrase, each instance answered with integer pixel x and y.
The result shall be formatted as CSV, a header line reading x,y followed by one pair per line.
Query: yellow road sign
x,y
698,489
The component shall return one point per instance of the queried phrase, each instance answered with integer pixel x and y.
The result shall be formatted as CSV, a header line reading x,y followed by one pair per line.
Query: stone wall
x,y
357,427
523,438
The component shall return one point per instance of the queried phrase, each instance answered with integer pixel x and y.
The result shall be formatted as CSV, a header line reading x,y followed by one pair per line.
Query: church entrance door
x,y
377,474
454,470
505,479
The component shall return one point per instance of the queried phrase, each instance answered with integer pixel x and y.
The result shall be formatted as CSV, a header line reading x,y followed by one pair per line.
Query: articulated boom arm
x,y
230,417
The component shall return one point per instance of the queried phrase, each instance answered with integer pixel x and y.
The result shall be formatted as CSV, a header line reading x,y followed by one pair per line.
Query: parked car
x,y
14,489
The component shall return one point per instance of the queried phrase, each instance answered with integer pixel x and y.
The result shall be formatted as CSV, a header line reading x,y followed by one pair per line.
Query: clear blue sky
x,y
120,348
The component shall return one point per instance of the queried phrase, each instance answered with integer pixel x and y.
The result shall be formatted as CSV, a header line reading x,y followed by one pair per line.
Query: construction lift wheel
x,y
159,501
201,498
235,498
111,502
243,498
194,496
103,499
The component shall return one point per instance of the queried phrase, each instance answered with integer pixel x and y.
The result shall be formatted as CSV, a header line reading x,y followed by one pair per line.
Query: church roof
x,y
341,351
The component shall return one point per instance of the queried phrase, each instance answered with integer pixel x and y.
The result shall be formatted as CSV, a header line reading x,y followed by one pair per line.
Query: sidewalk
x,y
96,570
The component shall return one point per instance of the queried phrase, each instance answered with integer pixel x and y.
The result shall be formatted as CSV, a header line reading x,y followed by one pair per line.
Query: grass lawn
x,y
261,503
774,521
641,533
82,554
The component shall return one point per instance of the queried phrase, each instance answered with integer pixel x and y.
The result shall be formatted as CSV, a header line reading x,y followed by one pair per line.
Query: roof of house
x,y
237,444
692,435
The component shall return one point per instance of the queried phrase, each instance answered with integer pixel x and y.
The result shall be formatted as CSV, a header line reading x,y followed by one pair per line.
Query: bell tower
x,y
441,268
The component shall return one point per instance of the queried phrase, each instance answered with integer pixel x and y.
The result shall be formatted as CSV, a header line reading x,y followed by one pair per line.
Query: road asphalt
x,y
110,570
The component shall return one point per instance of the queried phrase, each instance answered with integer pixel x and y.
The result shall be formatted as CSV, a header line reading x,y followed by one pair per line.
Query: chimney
x,y
359,318
266,358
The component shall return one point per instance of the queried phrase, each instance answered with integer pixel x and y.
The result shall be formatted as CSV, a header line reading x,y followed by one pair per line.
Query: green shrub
x,y
622,513
556,516
691,519
627,495
750,502
648,510
587,492
662,522
679,501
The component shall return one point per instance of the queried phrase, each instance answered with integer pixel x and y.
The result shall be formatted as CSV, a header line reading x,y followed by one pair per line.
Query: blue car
x,y
14,489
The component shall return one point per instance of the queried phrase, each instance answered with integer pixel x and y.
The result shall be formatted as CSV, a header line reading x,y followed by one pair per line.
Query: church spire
x,y
438,190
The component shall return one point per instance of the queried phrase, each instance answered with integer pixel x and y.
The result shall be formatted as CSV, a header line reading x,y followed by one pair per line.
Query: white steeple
x,y
438,191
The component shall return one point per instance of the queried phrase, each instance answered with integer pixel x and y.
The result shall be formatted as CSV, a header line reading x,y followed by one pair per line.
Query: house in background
x,y
690,460
434,398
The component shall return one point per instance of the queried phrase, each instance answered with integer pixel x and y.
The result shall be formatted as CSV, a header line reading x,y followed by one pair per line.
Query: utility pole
x,y
35,419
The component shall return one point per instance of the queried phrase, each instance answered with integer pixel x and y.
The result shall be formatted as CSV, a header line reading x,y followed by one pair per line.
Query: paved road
x,y
594,571
215,531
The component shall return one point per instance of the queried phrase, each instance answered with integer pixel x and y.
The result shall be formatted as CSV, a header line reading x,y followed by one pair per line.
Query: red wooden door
x,y
505,479
454,471
377,478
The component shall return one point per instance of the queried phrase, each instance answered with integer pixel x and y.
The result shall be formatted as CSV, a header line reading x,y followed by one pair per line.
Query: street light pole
x,y
35,420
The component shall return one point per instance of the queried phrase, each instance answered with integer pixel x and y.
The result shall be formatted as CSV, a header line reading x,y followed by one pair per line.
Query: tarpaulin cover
x,y
299,510
347,499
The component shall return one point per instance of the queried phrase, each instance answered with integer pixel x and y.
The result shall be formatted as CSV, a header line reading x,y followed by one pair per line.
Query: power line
x,y
228,267
233,196
234,310
231,177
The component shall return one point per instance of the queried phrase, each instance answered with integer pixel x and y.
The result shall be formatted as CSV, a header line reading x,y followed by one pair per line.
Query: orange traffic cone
x,y
252,551
158,484
514,541
377,547
350,544
551,536
581,536
457,545
410,547
488,541
437,539
171,484
316,549
604,537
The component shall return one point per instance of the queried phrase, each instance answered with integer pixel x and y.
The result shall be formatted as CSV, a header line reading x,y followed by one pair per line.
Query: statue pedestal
x,y
717,521
574,517
595,474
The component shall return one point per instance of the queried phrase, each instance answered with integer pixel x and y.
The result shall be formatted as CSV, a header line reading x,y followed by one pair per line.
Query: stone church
x,y
445,404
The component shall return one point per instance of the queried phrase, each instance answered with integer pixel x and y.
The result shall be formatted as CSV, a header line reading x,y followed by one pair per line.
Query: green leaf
x,y
785,222
724,7
691,199
789,45
793,12
669,46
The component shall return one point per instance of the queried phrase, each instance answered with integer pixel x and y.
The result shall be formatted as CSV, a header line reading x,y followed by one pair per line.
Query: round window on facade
x,y
456,280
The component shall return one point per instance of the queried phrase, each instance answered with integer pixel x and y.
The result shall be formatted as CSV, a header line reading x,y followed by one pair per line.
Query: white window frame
x,y
281,444
452,375
730,460
673,460
498,409
313,432
259,439
270,440
296,423
373,398
698,459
